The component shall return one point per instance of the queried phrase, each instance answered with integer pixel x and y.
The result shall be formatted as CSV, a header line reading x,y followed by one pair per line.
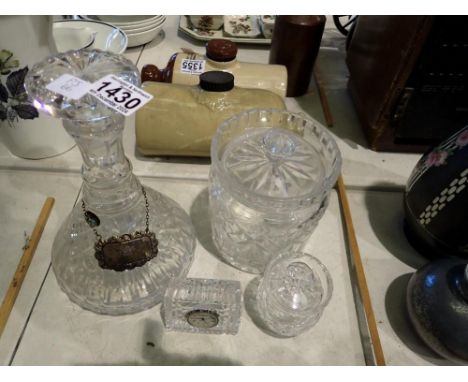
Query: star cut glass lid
x,y
274,162
275,159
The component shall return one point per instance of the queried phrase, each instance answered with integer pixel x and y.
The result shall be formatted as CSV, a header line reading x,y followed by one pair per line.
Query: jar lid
x,y
274,160
221,50
299,282
216,81
275,163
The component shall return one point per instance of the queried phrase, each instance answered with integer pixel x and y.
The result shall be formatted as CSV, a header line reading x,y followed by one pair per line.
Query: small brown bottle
x,y
295,43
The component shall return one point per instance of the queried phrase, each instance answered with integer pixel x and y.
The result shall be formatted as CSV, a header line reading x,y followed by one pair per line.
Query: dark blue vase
x,y
436,200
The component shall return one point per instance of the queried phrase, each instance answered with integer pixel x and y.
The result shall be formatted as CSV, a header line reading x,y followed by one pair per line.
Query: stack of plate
x,y
139,29
92,34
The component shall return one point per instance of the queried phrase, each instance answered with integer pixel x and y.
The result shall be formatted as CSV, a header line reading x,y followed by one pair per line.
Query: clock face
x,y
203,319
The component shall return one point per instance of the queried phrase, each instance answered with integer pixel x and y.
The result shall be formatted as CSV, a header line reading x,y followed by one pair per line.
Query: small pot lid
x,y
221,50
216,81
437,301
298,282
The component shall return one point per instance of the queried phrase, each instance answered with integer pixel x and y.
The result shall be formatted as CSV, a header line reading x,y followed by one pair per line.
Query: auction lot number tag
x,y
119,95
192,66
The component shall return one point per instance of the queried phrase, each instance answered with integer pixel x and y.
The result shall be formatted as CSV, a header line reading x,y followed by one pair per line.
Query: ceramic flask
x,y
295,44
220,55
181,120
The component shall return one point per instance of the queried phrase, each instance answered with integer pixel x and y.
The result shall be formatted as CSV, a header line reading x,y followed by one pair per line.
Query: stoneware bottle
x,y
220,55
181,120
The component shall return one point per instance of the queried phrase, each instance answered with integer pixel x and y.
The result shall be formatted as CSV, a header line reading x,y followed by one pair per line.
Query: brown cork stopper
x,y
221,50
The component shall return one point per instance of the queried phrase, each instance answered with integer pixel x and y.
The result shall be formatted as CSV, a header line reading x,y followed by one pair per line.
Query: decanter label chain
x,y
127,251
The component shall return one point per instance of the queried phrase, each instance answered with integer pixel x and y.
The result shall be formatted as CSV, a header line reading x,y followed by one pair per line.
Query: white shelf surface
x,y
389,261
44,318
77,337
22,196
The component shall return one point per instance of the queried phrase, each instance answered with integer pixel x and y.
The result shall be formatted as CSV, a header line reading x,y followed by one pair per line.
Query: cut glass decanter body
x,y
121,210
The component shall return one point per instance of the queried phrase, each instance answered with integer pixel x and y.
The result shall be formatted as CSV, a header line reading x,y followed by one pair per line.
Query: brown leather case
x,y
380,58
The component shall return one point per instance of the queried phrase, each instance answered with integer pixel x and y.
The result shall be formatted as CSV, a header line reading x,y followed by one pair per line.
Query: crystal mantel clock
x,y
123,242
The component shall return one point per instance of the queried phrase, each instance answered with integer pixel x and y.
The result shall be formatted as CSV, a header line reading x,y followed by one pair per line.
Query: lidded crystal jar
x,y
293,293
123,242
270,180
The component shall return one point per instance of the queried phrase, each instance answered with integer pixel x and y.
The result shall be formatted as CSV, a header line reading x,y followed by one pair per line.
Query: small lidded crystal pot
x,y
271,175
293,293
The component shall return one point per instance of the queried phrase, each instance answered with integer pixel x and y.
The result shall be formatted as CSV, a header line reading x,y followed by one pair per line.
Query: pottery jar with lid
x,y
221,54
181,120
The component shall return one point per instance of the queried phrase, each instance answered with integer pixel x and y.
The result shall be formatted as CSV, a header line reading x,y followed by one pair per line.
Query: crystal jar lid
x,y
274,162
299,283
275,158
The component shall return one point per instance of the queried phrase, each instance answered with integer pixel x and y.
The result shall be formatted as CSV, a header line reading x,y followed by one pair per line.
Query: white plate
x,y
72,38
108,37
136,39
184,26
129,30
129,20
118,20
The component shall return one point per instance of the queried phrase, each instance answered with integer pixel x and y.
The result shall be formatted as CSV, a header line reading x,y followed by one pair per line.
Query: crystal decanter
x,y
123,242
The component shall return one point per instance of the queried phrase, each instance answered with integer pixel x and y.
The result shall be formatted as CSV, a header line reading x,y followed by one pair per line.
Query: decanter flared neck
x,y
109,184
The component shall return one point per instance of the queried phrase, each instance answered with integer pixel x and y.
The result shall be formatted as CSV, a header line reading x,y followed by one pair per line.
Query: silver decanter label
x,y
126,251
